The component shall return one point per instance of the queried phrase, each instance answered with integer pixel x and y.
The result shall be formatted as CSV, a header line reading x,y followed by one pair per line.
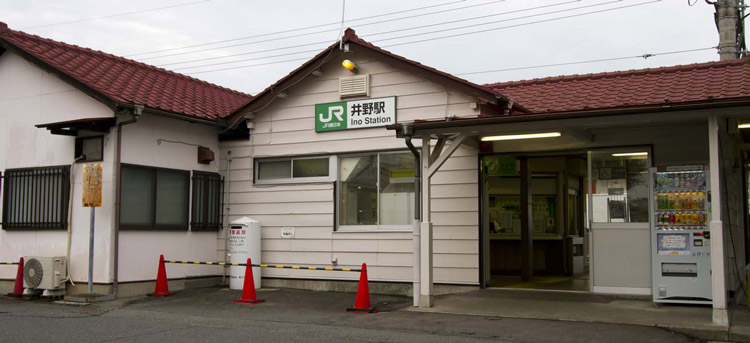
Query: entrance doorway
x,y
587,223
558,226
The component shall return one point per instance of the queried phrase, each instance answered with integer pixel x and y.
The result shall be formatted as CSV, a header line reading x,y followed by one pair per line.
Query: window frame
x,y
206,227
338,227
154,226
332,170
64,206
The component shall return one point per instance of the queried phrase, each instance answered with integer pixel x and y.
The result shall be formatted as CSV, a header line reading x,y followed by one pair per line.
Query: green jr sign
x,y
344,115
330,117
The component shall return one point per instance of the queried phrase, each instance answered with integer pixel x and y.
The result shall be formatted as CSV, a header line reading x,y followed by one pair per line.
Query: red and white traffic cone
x,y
362,303
18,289
248,289
162,287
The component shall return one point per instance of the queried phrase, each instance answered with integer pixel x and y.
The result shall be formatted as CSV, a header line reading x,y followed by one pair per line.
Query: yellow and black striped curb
x,y
278,266
7,263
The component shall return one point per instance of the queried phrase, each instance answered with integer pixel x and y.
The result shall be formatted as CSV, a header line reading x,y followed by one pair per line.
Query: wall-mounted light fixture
x,y
630,154
744,126
349,65
521,136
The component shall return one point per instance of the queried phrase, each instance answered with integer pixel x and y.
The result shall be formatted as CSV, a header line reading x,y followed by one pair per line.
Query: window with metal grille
x,y
36,198
207,190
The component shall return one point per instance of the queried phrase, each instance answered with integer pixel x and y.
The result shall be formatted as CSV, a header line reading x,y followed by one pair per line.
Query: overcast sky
x,y
518,33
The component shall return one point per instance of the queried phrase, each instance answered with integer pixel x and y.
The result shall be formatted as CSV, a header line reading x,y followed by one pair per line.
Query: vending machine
x,y
680,238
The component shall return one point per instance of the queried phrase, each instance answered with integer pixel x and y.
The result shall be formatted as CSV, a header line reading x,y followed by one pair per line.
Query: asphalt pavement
x,y
208,315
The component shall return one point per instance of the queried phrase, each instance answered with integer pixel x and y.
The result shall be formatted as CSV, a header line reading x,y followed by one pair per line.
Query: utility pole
x,y
729,19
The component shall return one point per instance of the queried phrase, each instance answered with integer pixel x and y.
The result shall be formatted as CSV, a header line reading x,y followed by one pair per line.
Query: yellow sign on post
x,y
92,185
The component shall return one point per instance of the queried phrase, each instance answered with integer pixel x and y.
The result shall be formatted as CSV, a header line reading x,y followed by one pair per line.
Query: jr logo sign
x,y
357,114
330,117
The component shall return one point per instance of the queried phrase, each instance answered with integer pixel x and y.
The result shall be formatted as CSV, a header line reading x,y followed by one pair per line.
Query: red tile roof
x,y
120,80
684,84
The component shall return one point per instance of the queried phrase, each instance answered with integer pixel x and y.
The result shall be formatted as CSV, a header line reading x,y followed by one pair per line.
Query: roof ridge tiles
x,y
97,53
103,73
618,73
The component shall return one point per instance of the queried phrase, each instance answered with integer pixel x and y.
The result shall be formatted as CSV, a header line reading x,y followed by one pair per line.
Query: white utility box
x,y
244,243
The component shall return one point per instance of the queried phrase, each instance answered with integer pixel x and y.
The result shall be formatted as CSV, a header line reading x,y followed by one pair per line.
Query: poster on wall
x,y
92,185
346,115
501,165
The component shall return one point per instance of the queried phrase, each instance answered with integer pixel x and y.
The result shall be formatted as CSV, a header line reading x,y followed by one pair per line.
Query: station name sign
x,y
345,115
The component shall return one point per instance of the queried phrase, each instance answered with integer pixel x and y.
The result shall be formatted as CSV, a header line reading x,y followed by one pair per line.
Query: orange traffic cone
x,y
248,289
362,303
162,288
18,289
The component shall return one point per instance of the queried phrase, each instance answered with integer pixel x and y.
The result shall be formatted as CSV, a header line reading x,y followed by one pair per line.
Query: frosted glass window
x,y
274,170
293,170
310,167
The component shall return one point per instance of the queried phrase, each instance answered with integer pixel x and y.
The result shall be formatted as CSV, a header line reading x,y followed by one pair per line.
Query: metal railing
x,y
36,198
207,201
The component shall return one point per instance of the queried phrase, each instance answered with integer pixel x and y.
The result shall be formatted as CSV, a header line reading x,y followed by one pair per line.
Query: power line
x,y
376,34
455,35
297,29
644,56
314,33
494,15
523,17
518,25
380,33
115,15
387,39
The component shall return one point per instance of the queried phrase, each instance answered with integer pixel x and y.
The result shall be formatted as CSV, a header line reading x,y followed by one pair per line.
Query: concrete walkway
x,y
594,308
208,315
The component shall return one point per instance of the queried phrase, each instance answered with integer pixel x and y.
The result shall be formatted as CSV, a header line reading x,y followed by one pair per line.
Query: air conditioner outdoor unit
x,y
44,273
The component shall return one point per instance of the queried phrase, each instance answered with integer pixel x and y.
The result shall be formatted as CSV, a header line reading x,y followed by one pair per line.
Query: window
x,y
376,191
90,147
154,198
620,186
36,198
206,213
295,170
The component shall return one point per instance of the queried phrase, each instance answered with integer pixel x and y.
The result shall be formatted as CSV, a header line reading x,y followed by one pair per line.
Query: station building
x,y
440,185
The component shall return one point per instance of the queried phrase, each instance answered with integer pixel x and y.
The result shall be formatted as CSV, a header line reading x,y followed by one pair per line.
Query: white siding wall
x,y
140,250
29,96
287,128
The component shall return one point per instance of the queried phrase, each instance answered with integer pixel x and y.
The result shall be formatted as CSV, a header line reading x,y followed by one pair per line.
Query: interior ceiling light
x,y
521,136
349,65
623,154
744,126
